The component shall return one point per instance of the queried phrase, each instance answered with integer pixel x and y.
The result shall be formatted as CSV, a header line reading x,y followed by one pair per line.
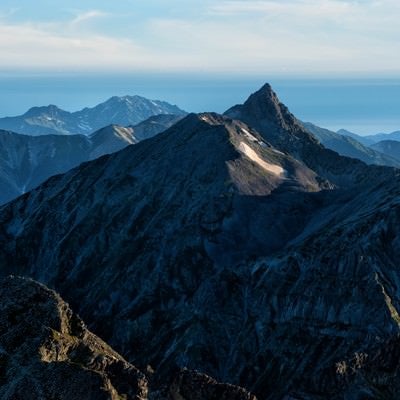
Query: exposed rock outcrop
x,y
193,385
46,351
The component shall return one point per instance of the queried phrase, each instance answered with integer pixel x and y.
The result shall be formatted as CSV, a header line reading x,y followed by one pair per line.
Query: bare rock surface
x,y
193,385
47,352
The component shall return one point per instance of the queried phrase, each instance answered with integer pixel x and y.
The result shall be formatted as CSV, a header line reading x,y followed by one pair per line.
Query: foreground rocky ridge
x,y
253,255
46,352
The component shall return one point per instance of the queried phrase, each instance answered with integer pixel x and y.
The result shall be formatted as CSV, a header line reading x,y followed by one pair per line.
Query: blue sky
x,y
302,37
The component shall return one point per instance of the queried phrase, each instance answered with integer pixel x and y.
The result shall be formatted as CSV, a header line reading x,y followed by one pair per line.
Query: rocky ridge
x,y
47,351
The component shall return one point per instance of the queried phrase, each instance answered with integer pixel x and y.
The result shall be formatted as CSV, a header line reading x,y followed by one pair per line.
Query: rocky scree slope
x,y
208,247
27,161
124,111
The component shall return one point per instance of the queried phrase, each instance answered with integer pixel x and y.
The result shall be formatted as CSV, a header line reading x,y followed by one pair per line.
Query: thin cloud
x,y
328,8
88,15
27,45
9,12
249,37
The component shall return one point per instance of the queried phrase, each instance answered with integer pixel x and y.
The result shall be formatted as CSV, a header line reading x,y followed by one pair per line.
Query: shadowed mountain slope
x,y
26,161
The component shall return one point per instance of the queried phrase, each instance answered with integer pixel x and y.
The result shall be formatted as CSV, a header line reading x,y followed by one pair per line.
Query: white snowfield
x,y
272,168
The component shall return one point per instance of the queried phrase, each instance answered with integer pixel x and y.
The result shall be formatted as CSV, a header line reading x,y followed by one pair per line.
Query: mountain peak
x,y
124,99
266,89
51,109
264,105
264,112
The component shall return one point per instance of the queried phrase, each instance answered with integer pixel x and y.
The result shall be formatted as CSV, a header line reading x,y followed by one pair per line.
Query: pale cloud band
x,y
295,36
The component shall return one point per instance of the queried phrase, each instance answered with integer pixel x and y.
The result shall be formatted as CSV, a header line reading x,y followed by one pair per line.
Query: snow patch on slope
x,y
249,135
250,153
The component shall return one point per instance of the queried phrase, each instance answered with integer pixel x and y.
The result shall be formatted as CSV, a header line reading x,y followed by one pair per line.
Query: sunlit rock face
x,y
47,351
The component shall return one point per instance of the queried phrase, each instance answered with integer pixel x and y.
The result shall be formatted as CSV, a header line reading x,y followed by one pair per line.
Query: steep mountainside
x,y
126,110
349,147
27,161
389,147
170,213
211,247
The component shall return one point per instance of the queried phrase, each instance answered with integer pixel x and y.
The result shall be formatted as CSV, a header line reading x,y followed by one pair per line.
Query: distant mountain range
x,y
371,139
379,149
352,146
124,111
27,161
235,244
389,147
